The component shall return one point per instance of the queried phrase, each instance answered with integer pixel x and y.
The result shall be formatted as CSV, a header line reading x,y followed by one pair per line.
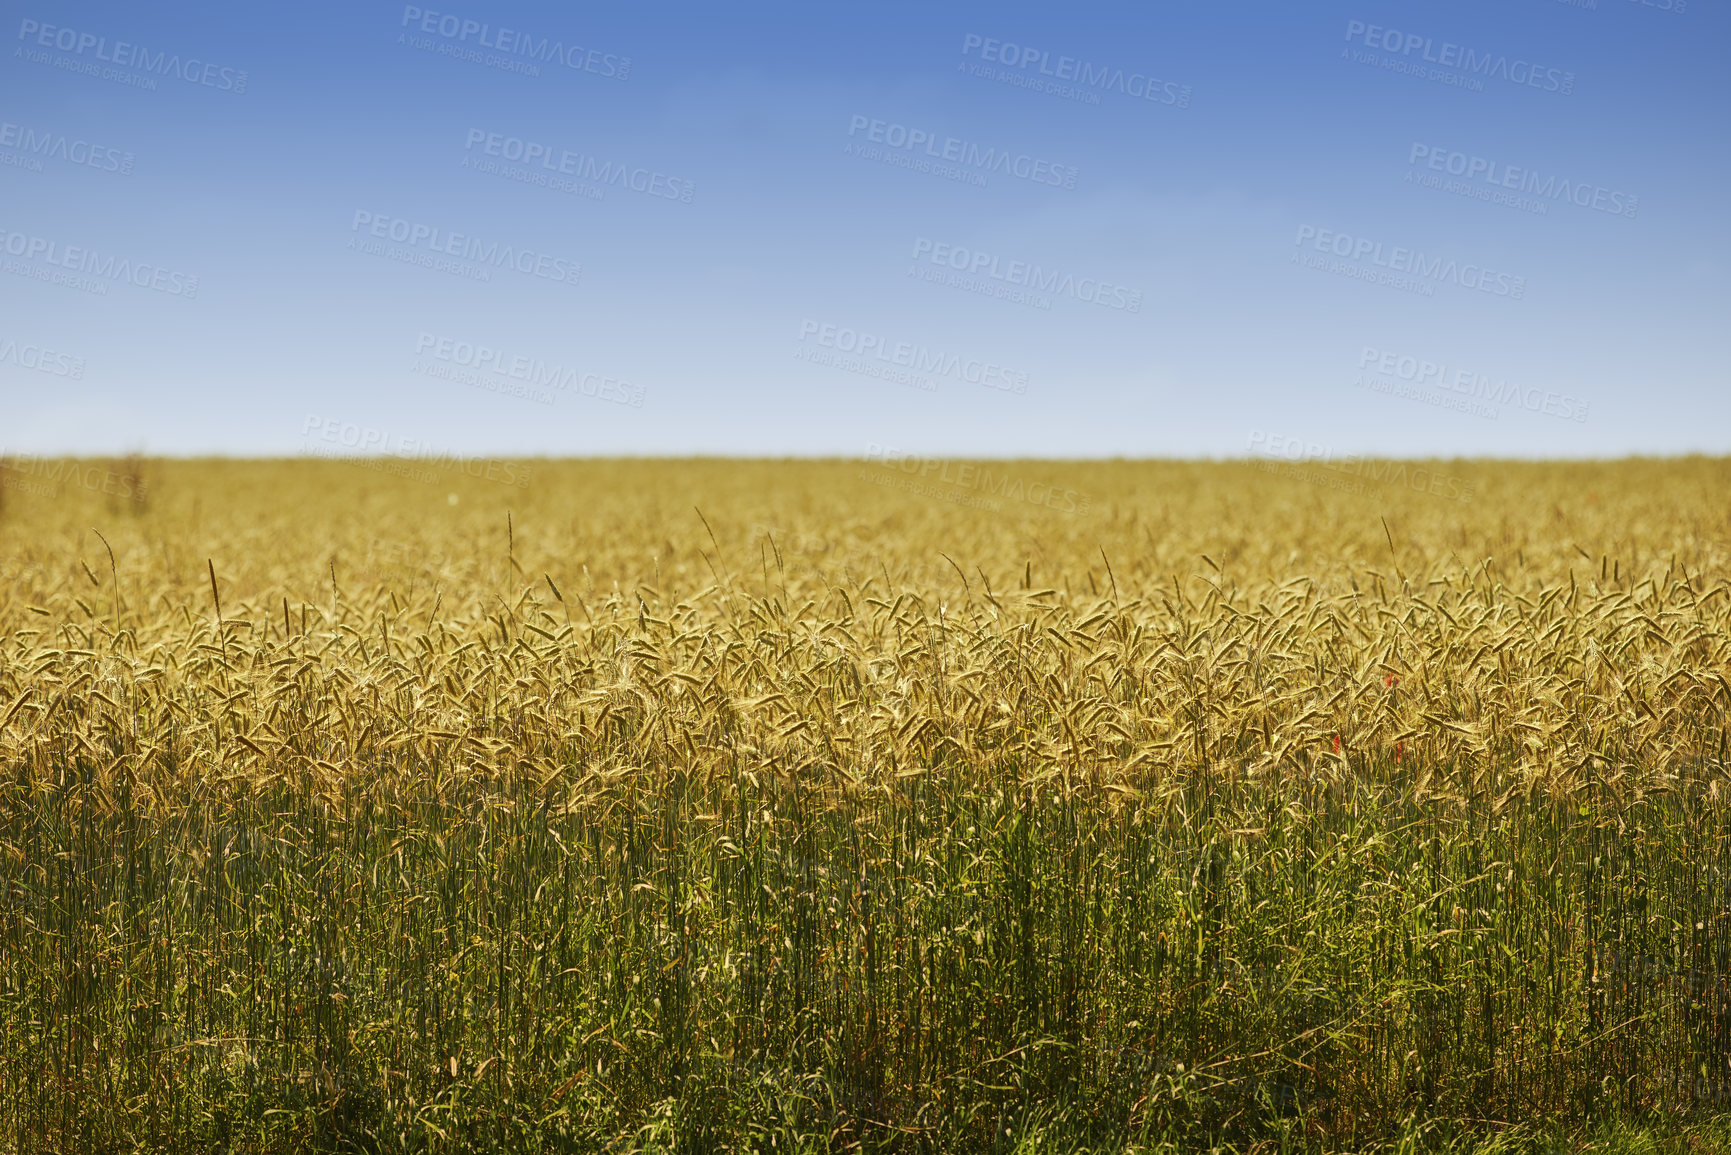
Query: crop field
x,y
863,805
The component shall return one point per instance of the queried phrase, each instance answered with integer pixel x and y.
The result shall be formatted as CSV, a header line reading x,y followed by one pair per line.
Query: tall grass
x,y
1226,814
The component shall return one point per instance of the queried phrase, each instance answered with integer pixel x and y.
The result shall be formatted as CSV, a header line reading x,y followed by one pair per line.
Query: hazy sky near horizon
x,y
1404,227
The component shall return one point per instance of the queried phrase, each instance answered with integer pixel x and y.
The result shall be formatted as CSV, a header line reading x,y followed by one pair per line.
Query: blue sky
x,y
1408,227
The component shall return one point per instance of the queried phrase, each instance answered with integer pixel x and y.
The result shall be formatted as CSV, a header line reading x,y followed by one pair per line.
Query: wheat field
x,y
863,805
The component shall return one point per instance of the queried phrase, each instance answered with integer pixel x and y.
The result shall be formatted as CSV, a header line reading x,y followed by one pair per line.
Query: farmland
x,y
909,805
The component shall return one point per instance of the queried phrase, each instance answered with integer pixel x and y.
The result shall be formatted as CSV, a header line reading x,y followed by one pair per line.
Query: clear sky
x,y
1408,227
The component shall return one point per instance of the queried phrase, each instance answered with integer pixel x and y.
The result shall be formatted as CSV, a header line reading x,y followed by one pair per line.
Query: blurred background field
x,y
397,804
